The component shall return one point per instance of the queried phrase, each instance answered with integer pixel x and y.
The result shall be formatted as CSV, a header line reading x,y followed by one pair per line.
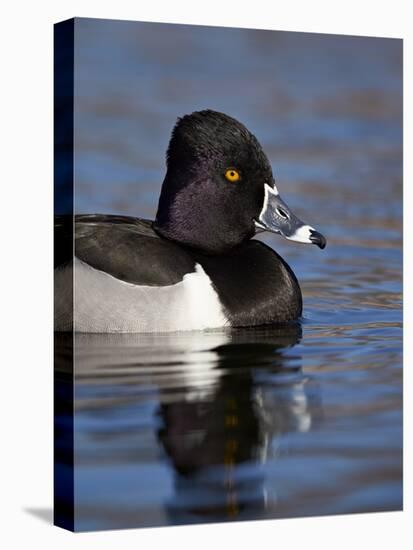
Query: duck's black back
x,y
125,247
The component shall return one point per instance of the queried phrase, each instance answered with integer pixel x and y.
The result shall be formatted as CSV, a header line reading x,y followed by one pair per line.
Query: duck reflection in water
x,y
219,433
215,408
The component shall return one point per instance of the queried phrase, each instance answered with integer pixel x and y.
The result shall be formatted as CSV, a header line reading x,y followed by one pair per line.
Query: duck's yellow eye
x,y
232,175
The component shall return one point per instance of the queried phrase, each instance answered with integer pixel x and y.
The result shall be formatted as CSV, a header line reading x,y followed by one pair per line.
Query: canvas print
x,y
228,274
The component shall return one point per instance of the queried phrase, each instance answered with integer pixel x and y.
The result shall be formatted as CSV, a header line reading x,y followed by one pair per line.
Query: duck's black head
x,y
219,188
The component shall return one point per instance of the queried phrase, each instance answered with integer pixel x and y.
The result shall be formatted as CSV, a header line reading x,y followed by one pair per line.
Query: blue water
x,y
248,424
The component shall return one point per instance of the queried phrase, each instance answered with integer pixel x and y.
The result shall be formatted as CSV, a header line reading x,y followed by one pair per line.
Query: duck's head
x,y
219,190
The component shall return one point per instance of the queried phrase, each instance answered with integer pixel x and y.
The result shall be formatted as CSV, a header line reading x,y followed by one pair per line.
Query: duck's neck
x,y
184,217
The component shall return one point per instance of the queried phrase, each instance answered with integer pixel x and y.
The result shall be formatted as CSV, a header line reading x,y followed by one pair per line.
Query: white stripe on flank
x,y
104,303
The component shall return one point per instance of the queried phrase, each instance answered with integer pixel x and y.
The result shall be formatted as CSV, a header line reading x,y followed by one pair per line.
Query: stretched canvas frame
x,y
308,403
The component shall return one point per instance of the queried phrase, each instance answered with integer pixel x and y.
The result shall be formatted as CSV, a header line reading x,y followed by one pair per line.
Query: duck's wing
x,y
127,248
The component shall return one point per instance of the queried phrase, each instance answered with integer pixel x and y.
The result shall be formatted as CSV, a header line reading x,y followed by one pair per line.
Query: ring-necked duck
x,y
195,267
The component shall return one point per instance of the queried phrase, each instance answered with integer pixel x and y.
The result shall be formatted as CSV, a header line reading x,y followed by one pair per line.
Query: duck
x,y
197,265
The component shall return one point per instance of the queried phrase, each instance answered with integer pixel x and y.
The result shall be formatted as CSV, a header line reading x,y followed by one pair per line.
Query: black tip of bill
x,y
318,239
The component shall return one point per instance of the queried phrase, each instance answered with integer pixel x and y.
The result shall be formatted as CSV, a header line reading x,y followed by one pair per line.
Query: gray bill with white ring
x,y
276,217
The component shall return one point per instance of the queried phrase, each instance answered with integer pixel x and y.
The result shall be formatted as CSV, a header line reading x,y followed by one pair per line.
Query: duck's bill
x,y
275,216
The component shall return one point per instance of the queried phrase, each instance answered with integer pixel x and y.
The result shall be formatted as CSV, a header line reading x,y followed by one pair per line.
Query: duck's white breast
x,y
103,303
